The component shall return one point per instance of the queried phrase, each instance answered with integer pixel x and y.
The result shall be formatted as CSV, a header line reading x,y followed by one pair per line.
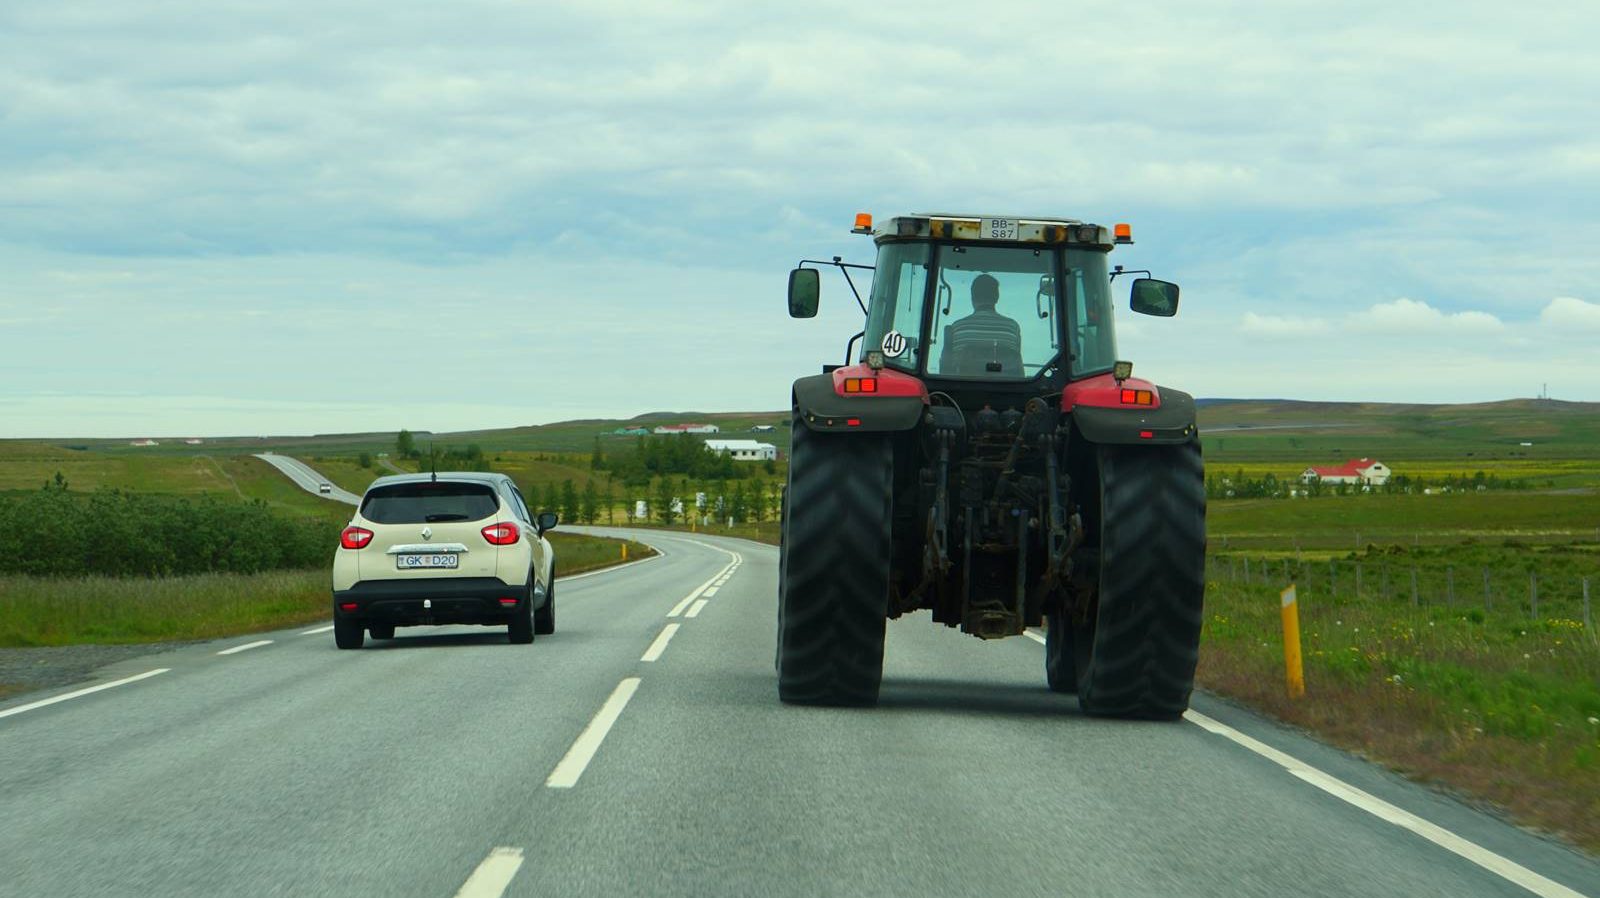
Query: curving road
x,y
306,477
641,750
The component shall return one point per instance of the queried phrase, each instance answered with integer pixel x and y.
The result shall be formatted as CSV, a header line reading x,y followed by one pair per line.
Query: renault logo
x,y
427,533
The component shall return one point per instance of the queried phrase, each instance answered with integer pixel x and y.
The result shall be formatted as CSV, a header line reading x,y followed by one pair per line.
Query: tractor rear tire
x,y
1136,654
833,588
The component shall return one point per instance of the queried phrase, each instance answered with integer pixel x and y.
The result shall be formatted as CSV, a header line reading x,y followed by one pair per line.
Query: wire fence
x,y
1520,593
1358,540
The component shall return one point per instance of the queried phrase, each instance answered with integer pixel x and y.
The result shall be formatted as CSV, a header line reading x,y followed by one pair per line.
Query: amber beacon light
x,y
863,223
1124,232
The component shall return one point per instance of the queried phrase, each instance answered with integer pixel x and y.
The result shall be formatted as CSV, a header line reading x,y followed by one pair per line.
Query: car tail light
x,y
502,534
355,537
348,606
508,602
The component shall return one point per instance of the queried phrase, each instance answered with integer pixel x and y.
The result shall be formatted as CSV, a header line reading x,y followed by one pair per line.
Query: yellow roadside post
x,y
624,551
1291,644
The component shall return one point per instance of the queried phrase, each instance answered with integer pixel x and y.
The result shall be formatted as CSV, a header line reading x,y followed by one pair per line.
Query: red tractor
x,y
988,458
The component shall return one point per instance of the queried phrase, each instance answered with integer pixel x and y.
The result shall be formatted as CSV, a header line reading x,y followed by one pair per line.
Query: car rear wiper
x,y
435,518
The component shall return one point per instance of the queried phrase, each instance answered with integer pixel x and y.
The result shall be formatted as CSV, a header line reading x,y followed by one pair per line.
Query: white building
x,y
688,428
744,450
1356,470
143,443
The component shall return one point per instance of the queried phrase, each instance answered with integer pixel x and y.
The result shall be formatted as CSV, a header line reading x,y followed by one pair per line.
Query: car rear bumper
x,y
462,600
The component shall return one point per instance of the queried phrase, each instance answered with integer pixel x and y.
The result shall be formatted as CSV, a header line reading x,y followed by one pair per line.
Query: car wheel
x,y
381,631
348,634
520,630
544,619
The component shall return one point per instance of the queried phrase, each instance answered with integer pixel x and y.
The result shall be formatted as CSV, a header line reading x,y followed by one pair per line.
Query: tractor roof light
x,y
875,360
863,223
1121,371
1124,232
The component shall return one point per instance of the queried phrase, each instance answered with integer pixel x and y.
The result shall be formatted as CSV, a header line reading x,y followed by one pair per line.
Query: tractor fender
x,y
1173,422
824,411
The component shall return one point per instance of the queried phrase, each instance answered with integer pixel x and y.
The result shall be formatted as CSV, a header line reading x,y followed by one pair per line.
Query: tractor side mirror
x,y
805,288
1153,297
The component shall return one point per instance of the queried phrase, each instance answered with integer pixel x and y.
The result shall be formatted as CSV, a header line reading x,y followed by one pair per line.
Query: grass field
x,y
1492,703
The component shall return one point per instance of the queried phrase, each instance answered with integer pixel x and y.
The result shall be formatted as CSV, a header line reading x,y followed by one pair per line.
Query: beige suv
x,y
445,548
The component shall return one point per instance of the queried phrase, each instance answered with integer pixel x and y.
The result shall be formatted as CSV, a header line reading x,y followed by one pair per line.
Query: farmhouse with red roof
x,y
1356,470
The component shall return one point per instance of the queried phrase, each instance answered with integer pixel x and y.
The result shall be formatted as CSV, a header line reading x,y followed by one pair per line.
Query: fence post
x,y
1333,578
1533,593
1358,579
1588,620
1414,601
1449,585
1247,570
1487,605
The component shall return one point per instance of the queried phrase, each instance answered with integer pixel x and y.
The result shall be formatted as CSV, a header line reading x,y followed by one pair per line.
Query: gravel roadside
x,y
45,667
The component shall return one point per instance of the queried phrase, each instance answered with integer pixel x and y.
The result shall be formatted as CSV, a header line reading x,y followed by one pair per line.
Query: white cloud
x,y
1568,313
1410,316
1279,326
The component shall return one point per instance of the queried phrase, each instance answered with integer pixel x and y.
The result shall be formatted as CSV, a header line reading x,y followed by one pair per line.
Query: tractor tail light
x,y
501,534
861,385
1138,397
355,537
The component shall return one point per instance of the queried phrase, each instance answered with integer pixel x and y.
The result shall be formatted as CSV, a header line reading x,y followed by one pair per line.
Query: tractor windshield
x,y
998,310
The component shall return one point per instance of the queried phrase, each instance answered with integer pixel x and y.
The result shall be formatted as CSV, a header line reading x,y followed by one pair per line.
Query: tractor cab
x,y
975,304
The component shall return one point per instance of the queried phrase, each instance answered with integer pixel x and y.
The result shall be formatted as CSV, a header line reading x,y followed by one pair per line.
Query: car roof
x,y
484,477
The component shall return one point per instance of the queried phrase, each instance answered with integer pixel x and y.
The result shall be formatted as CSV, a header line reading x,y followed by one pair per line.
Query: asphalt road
x,y
449,762
308,479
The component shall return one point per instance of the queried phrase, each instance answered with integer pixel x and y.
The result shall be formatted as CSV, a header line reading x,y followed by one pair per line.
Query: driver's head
x,y
985,293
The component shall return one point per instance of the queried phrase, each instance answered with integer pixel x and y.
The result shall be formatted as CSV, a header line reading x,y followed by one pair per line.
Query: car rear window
x,y
429,502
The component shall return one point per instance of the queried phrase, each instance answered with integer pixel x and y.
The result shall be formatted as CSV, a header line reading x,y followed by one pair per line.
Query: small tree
x,y
570,507
364,459
550,500
664,512
740,505
597,459
611,500
589,510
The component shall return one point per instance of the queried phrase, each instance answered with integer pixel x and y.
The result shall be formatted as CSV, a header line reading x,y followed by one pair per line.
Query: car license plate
x,y
414,562
997,228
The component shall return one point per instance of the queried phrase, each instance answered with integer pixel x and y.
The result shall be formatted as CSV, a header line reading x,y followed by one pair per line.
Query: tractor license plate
x,y
997,228
413,562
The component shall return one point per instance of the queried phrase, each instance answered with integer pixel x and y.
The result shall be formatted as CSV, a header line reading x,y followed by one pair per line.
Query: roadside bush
x,y
55,532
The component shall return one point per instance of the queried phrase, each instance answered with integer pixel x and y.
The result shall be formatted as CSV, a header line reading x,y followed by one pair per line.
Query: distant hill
x,y
1277,426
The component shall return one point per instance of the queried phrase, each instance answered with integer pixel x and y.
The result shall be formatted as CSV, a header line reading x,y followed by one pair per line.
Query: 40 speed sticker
x,y
894,343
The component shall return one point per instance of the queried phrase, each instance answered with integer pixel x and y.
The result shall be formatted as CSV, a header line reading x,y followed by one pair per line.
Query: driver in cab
x,y
985,342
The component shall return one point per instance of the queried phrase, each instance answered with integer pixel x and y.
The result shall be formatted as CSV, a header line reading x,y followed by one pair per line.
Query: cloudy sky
x,y
293,217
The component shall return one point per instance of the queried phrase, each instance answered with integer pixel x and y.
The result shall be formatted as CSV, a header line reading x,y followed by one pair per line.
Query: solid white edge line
x,y
82,692
614,567
696,608
316,631
1500,866
246,647
660,643
492,875
1036,637
577,758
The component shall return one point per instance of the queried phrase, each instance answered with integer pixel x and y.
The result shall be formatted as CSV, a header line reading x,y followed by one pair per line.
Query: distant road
x,y
307,478
1229,428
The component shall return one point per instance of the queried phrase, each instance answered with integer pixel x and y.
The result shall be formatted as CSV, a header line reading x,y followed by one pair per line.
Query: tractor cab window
x,y
997,314
1086,294
894,317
